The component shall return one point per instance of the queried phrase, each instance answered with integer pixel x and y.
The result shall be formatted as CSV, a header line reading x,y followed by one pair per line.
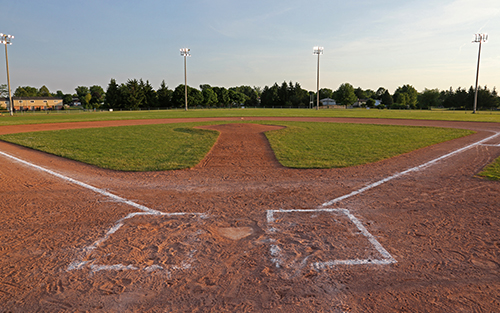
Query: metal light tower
x,y
5,39
479,38
185,53
318,51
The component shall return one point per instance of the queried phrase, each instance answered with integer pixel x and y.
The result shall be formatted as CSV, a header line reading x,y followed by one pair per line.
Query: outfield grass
x,y
72,116
327,145
492,171
176,146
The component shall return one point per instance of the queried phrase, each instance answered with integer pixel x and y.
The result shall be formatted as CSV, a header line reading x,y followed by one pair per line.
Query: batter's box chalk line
x,y
83,260
279,259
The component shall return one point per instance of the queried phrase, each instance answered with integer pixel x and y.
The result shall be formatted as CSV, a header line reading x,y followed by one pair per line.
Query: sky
x,y
63,44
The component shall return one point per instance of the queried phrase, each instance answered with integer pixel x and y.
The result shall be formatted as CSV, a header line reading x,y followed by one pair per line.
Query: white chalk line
x,y
490,145
79,263
276,251
413,169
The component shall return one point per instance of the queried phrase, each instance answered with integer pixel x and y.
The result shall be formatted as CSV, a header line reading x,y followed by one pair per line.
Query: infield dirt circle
x,y
241,233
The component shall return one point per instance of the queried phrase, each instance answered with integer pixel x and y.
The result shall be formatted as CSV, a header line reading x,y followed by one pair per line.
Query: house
x,y
328,103
33,103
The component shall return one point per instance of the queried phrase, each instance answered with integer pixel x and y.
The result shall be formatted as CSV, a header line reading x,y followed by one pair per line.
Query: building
x,y
33,103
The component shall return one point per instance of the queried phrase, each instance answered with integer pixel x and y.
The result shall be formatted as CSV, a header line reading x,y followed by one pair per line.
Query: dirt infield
x,y
241,233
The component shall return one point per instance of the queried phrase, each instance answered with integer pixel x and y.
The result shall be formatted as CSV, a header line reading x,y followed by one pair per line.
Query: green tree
x,y
209,97
26,91
360,93
406,96
44,92
345,95
112,97
164,95
134,95
150,96
429,98
222,95
4,91
81,93
67,99
96,96
386,98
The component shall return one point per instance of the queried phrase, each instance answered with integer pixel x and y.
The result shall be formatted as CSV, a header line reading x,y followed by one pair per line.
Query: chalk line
x,y
84,185
413,169
79,263
276,251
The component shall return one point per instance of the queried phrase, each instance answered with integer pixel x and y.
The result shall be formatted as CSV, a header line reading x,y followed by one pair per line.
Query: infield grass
x,y
176,146
78,116
492,171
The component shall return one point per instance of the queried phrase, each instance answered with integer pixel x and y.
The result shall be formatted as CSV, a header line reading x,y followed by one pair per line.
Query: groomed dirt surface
x,y
253,236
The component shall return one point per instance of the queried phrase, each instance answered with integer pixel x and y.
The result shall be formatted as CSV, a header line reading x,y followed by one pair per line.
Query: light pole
x,y
185,53
318,51
5,39
479,38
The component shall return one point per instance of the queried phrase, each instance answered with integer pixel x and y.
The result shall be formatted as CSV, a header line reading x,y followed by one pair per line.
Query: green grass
x,y
327,145
492,171
175,146
72,116
127,148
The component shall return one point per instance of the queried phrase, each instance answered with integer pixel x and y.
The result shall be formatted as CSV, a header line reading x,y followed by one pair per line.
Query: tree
x,y
81,93
380,91
406,96
26,91
112,97
269,97
236,98
360,93
96,96
345,95
386,98
44,92
134,95
164,95
4,91
194,98
429,98
67,99
150,97
222,95
209,97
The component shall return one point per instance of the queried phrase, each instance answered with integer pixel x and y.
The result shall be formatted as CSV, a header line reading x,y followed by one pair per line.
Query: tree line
x,y
138,94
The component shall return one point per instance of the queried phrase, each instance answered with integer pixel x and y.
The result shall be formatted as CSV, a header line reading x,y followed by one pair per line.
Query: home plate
x,y
321,238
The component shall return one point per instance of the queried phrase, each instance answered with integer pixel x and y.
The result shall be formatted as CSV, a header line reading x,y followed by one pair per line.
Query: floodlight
x,y
5,39
479,38
185,52
317,50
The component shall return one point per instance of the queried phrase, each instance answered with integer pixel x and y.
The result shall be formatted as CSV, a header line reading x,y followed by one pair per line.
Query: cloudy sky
x,y
369,43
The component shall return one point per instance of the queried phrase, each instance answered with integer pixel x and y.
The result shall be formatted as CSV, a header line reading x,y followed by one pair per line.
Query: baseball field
x,y
272,215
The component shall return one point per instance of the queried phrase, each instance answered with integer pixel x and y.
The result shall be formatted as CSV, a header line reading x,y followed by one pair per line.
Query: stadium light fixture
x,y
6,40
317,50
479,38
185,52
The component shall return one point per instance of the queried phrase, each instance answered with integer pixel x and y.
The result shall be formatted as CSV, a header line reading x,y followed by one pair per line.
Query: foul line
x,y
84,185
78,264
413,169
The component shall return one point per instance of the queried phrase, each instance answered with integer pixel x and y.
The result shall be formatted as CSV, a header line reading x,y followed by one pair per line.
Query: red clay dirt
x,y
67,248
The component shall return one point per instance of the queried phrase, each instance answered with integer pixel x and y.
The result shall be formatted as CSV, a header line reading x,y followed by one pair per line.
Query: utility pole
x,y
317,50
6,40
479,38
185,53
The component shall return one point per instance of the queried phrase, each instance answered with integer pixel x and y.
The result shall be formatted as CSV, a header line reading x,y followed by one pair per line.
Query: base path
x,y
241,233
